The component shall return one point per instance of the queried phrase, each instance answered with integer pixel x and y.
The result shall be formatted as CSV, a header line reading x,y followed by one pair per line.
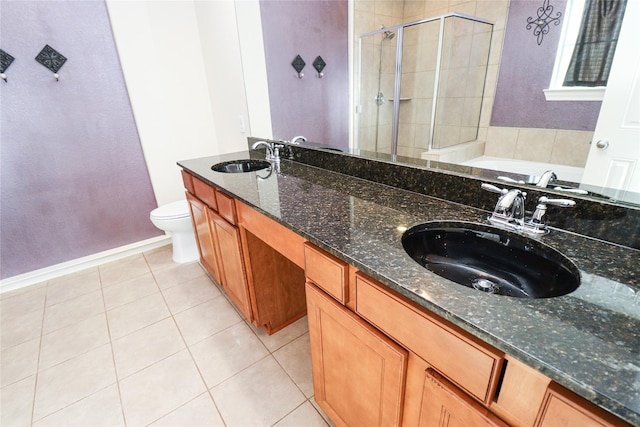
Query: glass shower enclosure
x,y
420,85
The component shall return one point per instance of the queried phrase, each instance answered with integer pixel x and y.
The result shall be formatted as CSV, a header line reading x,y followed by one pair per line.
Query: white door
x,y
614,157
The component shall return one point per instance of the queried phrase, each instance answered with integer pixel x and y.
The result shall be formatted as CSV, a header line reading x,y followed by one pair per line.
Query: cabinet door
x,y
234,276
205,237
561,408
443,404
358,373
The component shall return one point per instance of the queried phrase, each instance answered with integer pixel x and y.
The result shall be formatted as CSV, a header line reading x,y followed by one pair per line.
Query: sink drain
x,y
484,285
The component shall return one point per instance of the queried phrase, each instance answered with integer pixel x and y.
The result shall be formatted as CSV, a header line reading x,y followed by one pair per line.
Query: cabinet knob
x,y
602,144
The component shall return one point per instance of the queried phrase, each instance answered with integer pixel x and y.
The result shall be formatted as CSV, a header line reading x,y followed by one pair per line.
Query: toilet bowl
x,y
175,218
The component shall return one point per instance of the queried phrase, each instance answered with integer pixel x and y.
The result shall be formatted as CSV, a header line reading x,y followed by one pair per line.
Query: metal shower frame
x,y
398,71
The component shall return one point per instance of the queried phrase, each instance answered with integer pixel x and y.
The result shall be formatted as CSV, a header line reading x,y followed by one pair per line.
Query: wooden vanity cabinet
x,y
258,262
358,373
234,280
218,240
274,263
378,359
205,238
419,394
466,361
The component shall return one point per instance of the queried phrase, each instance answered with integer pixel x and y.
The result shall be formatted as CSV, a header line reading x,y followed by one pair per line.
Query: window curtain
x,y
592,57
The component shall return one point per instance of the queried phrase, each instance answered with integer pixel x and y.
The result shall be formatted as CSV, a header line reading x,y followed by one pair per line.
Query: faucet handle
x,y
538,222
563,203
493,188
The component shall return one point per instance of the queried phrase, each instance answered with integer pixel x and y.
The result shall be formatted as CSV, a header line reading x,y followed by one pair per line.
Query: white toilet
x,y
175,218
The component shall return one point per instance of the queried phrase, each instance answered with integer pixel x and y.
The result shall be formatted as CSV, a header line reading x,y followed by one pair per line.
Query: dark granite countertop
x,y
587,341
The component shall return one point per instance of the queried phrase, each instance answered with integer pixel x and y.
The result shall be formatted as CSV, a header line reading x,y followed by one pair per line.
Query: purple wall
x,y
74,180
526,70
313,107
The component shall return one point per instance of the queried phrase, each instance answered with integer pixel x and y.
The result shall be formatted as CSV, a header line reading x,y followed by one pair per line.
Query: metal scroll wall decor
x,y
543,21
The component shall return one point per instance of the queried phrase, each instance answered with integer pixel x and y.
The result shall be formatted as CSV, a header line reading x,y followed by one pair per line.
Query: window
x,y
585,50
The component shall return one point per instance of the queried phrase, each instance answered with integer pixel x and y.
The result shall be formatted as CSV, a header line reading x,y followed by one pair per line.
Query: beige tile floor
x,y
143,341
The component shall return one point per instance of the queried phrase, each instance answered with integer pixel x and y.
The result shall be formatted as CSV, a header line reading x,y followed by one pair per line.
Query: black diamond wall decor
x,y
51,58
5,61
298,64
319,64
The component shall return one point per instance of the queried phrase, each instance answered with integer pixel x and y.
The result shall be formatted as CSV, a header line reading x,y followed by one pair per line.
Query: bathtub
x,y
525,167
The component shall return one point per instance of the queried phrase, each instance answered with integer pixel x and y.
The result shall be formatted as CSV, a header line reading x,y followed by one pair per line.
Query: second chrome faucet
x,y
510,210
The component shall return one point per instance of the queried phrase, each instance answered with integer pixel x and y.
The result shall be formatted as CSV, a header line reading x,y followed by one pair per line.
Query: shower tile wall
x,y
416,83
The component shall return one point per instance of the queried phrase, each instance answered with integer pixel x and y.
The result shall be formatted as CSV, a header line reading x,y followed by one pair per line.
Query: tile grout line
x,y
193,360
35,385
113,356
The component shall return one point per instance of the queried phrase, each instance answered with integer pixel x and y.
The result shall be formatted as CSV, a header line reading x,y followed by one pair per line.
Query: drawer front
x,y
205,192
326,271
456,355
226,207
273,234
187,179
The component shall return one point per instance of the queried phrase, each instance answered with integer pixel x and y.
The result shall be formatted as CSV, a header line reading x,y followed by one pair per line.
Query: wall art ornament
x,y
51,59
298,65
543,21
5,61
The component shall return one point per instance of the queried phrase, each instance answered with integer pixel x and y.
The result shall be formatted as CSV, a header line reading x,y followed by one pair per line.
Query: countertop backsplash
x,y
600,220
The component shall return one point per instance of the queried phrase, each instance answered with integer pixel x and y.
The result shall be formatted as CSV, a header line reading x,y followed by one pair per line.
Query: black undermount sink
x,y
491,260
239,166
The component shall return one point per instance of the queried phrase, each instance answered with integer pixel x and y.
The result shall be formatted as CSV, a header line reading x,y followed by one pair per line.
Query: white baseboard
x,y
68,267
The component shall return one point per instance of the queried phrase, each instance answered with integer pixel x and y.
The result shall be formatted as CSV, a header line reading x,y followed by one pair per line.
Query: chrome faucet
x,y
295,139
510,206
509,211
272,153
269,149
546,178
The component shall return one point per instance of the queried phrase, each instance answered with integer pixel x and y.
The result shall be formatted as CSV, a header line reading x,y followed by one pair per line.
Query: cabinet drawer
x,y
277,236
462,358
326,271
205,192
187,179
226,207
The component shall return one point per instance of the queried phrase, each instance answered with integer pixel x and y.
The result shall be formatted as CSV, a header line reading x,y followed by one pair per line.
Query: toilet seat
x,y
174,210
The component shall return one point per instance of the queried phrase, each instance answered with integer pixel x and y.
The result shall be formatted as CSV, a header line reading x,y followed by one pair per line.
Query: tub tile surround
x,y
563,147
89,370
587,341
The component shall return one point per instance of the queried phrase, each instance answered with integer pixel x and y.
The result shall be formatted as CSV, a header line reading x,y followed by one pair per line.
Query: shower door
x,y
419,64
420,86
377,70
